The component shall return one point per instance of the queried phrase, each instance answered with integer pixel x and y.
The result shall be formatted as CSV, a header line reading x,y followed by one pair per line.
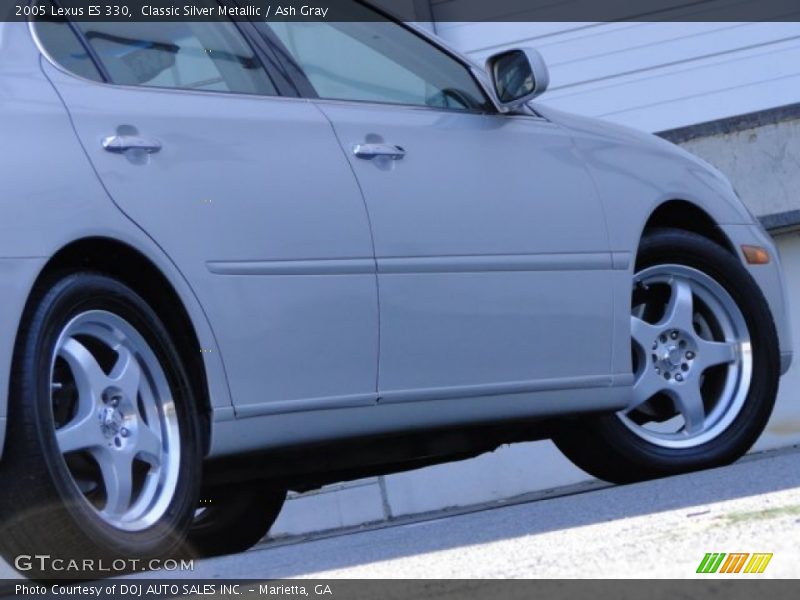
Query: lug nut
x,y
689,355
674,335
124,432
112,400
679,377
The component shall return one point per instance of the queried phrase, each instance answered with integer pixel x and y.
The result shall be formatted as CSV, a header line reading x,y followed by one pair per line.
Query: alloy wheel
x,y
692,357
115,420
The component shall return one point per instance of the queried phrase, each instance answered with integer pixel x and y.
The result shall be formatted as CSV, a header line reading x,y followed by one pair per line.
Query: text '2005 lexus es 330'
x,y
241,258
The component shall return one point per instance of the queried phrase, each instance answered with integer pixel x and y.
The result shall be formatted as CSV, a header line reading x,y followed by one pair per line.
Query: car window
x,y
64,47
210,56
377,61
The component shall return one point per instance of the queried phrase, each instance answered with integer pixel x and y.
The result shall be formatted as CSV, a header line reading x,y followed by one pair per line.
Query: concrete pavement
x,y
654,529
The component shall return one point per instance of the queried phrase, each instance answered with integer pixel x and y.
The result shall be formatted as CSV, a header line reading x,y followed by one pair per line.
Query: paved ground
x,y
655,529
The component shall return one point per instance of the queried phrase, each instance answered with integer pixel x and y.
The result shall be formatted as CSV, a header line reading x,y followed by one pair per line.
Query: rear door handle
x,y
122,143
370,151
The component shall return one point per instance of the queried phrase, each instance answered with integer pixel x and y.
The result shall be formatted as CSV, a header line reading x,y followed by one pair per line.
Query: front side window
x,y
377,61
210,56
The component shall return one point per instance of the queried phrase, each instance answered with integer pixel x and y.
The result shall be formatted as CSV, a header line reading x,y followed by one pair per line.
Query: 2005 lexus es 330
x,y
243,258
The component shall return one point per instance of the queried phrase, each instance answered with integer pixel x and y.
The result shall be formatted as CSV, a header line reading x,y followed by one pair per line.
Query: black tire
x,y
607,449
233,518
43,511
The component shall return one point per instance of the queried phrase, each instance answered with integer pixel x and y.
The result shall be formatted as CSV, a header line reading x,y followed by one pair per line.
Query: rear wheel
x,y
234,518
706,366
103,452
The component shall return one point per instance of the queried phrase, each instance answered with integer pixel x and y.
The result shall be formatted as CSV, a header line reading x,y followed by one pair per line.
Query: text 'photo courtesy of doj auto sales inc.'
x,y
158,590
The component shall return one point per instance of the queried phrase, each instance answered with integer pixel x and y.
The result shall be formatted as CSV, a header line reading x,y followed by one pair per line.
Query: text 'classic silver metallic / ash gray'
x,y
238,259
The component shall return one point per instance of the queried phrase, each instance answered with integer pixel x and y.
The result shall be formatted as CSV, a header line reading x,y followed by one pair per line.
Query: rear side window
x,y
64,47
211,56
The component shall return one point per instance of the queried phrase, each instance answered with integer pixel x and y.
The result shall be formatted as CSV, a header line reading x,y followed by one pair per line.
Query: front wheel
x,y
705,361
102,460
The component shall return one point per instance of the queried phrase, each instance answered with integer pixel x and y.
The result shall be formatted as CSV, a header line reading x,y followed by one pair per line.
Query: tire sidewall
x,y
66,299
238,517
673,247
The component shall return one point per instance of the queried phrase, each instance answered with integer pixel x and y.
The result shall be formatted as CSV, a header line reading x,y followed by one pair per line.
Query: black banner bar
x,y
454,589
406,10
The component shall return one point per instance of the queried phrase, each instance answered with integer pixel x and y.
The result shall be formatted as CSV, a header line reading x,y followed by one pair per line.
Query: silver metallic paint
x,y
286,429
309,289
52,197
479,282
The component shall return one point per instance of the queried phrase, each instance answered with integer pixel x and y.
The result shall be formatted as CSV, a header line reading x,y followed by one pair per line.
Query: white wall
x,y
762,163
655,75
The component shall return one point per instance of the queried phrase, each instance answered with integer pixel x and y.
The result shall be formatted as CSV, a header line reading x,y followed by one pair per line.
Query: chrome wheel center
x,y
111,421
673,354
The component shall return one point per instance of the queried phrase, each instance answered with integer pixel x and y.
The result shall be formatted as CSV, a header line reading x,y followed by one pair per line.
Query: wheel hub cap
x,y
111,421
673,355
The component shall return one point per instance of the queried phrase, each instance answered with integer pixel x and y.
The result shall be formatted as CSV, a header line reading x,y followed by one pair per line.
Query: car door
x,y
494,266
247,192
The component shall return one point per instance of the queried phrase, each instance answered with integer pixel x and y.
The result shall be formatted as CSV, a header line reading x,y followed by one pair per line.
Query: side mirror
x,y
518,76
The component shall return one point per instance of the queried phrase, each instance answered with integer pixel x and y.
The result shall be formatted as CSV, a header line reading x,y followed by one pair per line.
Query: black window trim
x,y
285,85
90,51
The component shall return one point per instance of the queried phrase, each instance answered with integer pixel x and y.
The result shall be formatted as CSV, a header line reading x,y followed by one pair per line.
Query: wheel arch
x,y
687,216
131,266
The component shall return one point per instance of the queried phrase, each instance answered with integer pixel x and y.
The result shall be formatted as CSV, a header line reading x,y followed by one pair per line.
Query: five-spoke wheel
x,y
705,362
104,443
692,357
115,419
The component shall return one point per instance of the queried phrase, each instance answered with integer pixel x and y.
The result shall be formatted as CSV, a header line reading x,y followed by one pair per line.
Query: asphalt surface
x,y
658,529
654,529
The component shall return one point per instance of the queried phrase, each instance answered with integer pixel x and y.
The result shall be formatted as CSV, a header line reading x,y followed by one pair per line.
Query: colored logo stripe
x,y
758,563
734,562
711,562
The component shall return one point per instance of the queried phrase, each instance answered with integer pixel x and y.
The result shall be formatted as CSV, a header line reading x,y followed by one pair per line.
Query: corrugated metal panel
x,y
653,75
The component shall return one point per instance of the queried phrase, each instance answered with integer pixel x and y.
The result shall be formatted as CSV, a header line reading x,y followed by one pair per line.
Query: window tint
x,y
64,47
197,56
377,61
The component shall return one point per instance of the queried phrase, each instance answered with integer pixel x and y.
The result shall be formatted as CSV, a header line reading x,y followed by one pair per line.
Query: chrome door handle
x,y
122,143
370,151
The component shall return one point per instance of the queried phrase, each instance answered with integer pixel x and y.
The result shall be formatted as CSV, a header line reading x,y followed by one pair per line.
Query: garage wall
x,y
654,75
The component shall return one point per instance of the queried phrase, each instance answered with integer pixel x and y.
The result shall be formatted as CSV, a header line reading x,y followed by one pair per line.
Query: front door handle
x,y
123,143
370,151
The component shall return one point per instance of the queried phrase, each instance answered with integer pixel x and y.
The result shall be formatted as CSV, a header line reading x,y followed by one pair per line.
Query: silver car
x,y
243,258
